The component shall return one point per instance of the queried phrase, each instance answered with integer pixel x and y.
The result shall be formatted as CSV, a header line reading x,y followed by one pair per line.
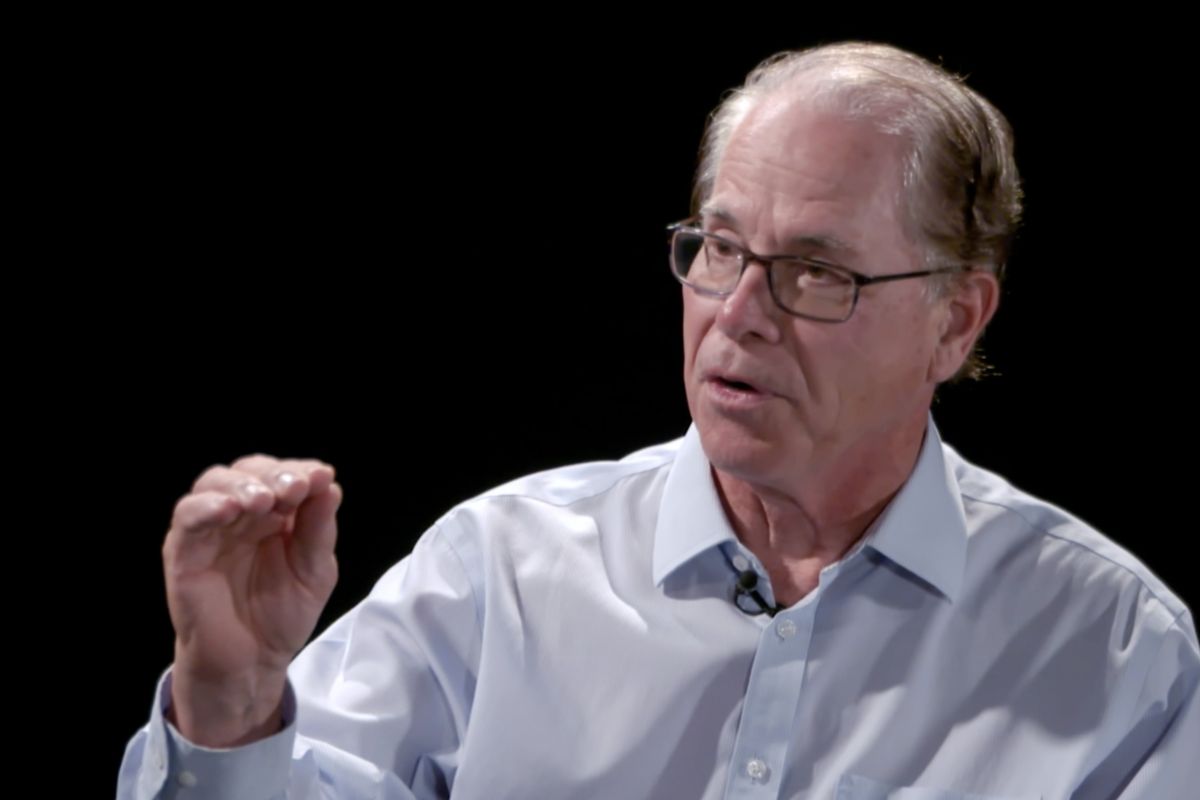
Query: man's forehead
x,y
792,149
713,213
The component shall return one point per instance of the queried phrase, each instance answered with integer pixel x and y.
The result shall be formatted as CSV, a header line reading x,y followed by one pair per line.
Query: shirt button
x,y
740,563
785,628
187,779
758,770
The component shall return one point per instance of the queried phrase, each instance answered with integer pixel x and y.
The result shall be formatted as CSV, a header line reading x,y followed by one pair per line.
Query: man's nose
x,y
750,310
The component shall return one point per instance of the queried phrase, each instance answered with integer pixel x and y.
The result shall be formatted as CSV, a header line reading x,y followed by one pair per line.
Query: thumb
x,y
313,538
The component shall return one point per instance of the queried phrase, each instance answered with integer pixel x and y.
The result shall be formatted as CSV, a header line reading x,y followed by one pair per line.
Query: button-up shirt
x,y
575,634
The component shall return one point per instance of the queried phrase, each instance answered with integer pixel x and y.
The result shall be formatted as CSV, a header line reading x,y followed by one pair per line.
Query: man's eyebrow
x,y
821,241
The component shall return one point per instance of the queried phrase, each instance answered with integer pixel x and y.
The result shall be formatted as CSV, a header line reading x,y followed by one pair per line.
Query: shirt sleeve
x,y
1171,766
376,707
1157,757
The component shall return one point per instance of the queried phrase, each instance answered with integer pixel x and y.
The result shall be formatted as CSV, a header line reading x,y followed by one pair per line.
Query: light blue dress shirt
x,y
572,635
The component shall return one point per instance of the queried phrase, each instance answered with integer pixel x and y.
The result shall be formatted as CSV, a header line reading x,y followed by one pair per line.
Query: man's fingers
x,y
189,549
214,511
320,477
314,537
261,483
263,466
202,511
251,493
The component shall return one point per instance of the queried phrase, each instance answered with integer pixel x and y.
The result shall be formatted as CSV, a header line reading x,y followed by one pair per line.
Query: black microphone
x,y
747,580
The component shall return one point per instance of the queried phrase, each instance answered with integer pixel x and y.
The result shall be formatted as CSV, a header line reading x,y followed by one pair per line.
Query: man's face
x,y
797,181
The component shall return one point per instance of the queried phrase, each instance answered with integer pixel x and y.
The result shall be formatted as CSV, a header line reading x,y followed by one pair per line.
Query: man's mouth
x,y
737,385
734,394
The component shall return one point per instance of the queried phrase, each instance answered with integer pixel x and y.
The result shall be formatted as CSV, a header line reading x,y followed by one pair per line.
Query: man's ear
x,y
965,312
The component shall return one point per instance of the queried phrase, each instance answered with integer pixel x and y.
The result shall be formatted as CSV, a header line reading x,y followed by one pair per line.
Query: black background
x,y
434,257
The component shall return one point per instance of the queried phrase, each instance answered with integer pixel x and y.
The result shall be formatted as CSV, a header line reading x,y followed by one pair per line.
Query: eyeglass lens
x,y
713,265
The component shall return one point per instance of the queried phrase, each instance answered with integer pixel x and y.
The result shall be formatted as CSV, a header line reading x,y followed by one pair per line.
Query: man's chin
x,y
740,450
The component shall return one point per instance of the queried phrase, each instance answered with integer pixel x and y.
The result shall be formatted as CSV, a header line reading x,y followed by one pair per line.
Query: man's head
x,y
961,188
867,158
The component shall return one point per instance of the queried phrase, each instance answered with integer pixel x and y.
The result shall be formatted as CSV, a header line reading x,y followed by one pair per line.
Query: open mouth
x,y
733,385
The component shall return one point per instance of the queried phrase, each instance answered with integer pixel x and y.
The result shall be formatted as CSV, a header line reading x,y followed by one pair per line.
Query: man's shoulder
x,y
567,489
1002,518
573,483
556,516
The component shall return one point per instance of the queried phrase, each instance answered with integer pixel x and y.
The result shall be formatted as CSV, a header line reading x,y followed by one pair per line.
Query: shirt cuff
x,y
256,770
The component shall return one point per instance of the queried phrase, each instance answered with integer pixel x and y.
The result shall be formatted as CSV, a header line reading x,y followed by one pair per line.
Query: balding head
x,y
960,189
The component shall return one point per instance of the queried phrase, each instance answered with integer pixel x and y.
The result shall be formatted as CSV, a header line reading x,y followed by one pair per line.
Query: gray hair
x,y
960,181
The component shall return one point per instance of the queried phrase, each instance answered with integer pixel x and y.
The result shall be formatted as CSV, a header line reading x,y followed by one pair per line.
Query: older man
x,y
809,595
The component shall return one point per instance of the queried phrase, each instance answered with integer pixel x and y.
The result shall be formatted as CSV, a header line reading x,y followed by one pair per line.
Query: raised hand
x,y
249,566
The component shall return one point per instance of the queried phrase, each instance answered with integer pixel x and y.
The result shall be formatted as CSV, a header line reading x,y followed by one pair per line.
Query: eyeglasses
x,y
713,265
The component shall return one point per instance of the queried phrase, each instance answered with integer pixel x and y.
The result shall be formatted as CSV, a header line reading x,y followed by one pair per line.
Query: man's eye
x,y
817,275
719,249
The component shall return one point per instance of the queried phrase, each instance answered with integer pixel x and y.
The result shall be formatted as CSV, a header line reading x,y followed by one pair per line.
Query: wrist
x,y
229,712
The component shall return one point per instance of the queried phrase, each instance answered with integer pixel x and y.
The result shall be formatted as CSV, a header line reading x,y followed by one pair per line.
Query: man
x,y
809,595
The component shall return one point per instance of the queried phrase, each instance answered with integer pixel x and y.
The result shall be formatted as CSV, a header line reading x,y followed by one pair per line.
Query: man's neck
x,y
797,532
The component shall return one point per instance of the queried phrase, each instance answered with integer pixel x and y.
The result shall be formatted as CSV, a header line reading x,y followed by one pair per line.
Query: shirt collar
x,y
690,516
923,529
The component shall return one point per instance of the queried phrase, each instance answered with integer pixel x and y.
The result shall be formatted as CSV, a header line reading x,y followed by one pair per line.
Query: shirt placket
x,y
772,697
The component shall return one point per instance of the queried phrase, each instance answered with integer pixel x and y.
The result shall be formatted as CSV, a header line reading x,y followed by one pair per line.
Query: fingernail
x,y
285,479
252,490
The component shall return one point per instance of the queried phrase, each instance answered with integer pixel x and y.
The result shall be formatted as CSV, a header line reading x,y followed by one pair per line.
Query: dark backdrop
x,y
436,260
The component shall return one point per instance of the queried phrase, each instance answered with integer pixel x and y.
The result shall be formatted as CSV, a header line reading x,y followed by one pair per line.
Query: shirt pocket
x,y
856,787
